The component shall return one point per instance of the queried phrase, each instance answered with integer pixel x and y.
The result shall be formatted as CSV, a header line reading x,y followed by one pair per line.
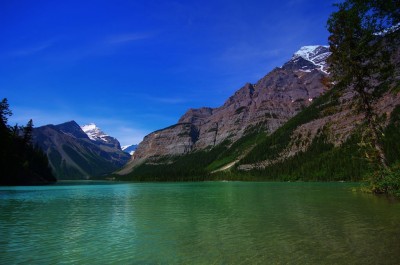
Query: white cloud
x,y
126,38
77,49
30,50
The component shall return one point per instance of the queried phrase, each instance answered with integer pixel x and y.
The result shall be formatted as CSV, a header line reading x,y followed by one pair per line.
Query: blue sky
x,y
133,67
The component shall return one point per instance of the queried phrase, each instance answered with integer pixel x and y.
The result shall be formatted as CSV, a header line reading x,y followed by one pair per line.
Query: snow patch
x,y
308,51
94,133
316,54
89,127
388,30
130,149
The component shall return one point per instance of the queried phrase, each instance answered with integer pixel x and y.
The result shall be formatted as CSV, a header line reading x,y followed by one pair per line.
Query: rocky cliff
x,y
293,124
263,106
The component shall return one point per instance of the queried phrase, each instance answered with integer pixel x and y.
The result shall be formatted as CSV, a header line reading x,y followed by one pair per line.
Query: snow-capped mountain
x,y
73,155
130,149
316,54
96,134
265,105
388,30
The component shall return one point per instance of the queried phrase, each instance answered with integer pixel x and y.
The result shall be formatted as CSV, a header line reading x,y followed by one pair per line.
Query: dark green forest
x,y
21,163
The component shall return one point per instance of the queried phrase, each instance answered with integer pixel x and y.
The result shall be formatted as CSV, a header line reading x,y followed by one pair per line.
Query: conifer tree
x,y
5,112
20,162
28,129
364,35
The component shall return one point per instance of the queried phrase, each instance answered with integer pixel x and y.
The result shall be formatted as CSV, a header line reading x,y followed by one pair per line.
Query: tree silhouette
x,y
20,162
28,130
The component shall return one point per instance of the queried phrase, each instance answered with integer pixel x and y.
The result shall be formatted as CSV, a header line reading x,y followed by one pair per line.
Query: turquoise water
x,y
197,223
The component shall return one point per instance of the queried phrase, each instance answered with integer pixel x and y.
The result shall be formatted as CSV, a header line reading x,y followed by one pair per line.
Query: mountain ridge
x,y
265,105
318,141
73,155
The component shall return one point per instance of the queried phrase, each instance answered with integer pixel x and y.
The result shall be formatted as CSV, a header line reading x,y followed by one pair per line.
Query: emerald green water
x,y
197,223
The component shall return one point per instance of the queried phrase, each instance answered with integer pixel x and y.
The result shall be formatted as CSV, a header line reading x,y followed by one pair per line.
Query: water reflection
x,y
212,222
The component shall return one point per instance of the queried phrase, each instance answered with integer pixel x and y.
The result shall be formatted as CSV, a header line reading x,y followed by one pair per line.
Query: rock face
x,y
265,105
337,122
177,139
73,155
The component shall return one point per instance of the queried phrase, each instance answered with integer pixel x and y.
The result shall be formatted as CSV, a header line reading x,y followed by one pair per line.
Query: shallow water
x,y
197,223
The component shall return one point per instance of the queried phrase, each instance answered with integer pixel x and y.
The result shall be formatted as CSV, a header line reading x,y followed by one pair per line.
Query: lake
x,y
197,223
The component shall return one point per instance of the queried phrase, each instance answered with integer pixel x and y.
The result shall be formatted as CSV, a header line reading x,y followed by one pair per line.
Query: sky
x,y
136,66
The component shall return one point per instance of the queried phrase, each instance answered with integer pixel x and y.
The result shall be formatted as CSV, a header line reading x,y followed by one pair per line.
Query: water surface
x,y
197,223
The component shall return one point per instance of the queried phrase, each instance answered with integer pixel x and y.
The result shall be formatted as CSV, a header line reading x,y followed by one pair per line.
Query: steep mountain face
x,y
288,126
130,149
331,123
73,155
263,106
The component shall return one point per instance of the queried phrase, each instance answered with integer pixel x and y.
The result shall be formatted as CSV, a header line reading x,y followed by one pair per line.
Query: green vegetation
x,y
94,164
191,167
364,43
320,162
237,149
391,139
271,146
21,163
386,183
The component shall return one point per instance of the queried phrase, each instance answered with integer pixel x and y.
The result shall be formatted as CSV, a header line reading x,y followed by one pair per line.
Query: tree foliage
x,y
21,163
364,36
5,112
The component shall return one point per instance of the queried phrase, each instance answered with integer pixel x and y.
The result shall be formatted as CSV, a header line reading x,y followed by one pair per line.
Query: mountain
x,y
96,134
74,155
130,149
293,124
263,107
317,55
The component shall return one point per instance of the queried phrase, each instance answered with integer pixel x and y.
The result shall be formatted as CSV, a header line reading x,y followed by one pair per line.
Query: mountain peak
x,y
72,129
316,54
310,51
89,127
69,123
94,132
